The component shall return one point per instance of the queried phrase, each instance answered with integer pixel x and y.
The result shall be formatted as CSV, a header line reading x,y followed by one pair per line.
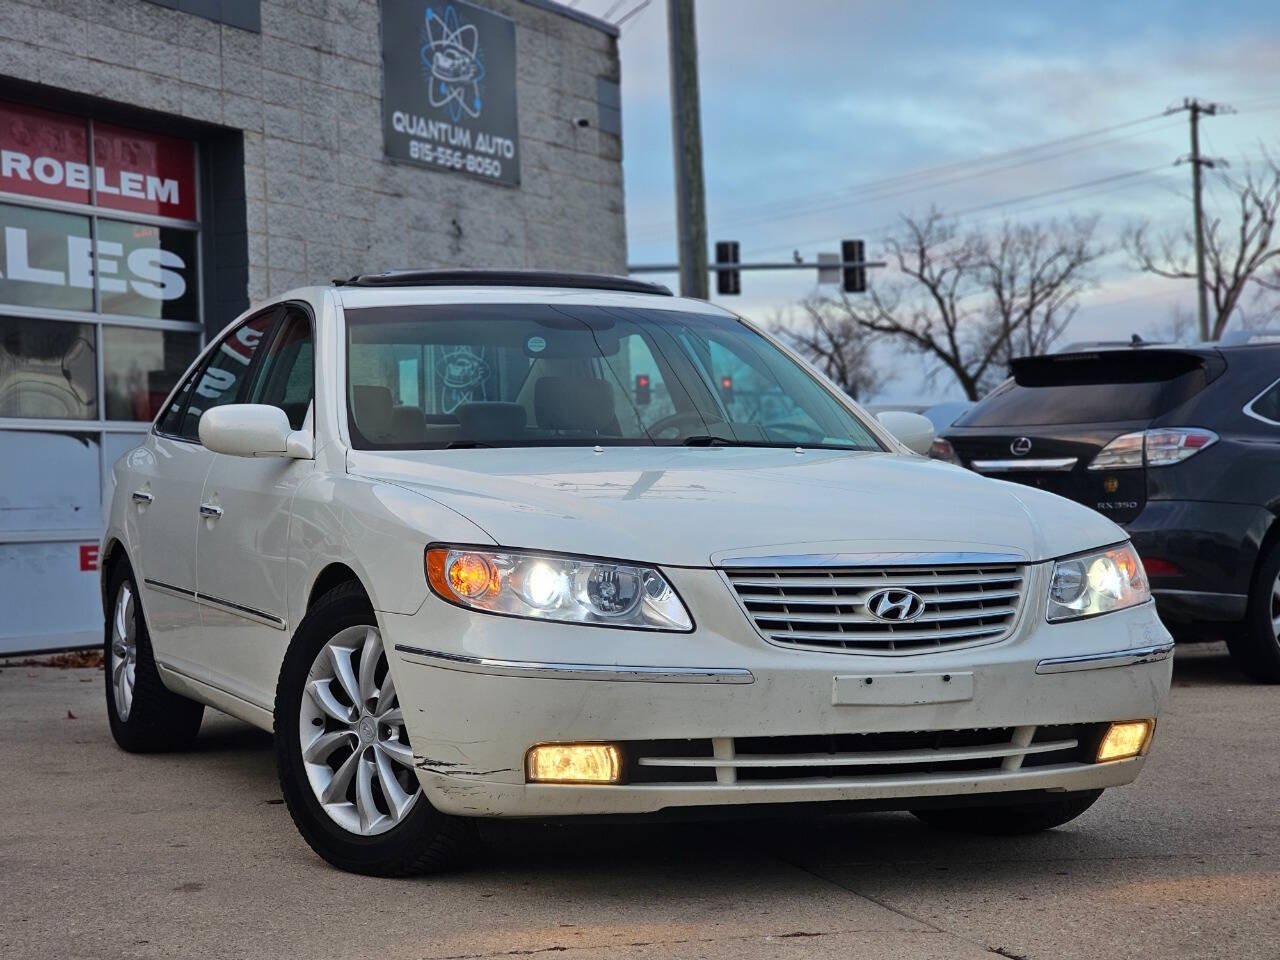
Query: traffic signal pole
x,y
686,128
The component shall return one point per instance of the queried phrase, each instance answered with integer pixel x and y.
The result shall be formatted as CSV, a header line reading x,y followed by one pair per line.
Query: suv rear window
x,y
1108,387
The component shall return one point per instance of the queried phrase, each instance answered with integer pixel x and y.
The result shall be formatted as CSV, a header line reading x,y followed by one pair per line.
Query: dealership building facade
x,y
166,163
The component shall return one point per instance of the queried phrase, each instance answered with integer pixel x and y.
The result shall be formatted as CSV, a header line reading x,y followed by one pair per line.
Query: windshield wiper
x,y
705,440
465,444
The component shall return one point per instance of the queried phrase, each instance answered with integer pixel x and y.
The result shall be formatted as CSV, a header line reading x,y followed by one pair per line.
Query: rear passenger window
x,y
222,376
1267,406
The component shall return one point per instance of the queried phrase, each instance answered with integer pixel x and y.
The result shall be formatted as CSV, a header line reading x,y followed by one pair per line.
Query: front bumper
x,y
478,691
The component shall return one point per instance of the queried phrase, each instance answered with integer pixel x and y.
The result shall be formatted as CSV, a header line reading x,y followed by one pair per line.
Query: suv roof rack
x,y
502,278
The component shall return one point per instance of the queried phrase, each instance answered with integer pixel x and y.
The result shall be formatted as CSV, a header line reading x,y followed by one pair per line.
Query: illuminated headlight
x,y
1099,582
539,586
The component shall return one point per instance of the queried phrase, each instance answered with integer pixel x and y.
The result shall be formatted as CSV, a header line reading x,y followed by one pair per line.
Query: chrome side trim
x,y
1050,465
1100,661
872,560
579,671
170,588
1248,410
249,613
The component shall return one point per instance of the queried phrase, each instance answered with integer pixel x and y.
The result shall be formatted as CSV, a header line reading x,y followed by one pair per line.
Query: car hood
x,y
701,506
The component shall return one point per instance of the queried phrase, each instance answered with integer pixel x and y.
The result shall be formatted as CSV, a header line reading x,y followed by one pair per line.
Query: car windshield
x,y
474,375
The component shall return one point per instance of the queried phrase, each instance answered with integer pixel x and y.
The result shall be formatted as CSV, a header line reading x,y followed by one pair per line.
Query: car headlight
x,y
541,586
1098,582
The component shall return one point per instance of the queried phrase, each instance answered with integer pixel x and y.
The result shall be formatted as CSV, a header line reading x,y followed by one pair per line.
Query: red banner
x,y
145,172
45,154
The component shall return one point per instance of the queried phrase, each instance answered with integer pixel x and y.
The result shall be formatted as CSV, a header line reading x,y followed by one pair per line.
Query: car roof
x,y
503,278
354,298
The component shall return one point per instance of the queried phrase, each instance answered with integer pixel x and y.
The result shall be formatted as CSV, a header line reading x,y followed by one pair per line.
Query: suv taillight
x,y
1152,448
942,450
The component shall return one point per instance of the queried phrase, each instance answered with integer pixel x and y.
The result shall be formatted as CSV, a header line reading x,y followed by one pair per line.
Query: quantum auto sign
x,y
449,88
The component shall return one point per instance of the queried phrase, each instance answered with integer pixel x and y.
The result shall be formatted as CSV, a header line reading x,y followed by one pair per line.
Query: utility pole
x,y
686,128
1195,108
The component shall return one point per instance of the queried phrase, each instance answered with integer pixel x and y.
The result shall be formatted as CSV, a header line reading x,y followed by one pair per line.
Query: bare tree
x,y
971,301
1241,251
835,345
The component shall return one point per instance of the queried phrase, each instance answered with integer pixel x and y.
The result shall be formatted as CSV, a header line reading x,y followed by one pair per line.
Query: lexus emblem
x,y
1020,447
895,606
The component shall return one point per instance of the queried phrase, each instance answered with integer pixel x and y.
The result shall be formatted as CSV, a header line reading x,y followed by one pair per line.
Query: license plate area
x,y
901,689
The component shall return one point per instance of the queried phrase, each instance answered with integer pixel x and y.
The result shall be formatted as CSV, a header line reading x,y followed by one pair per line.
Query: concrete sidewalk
x,y
105,855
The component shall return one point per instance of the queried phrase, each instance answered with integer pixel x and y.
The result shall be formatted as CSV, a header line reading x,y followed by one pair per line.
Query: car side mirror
x,y
912,430
253,430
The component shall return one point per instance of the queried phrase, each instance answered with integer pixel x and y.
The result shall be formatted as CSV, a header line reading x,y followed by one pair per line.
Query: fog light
x,y
1125,740
574,763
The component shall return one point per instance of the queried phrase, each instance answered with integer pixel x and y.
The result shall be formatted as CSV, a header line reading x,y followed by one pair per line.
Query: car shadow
x,y
1206,664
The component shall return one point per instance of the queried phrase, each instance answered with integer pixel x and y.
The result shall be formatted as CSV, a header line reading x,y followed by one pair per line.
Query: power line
x,y
886,228
638,8
891,194
932,173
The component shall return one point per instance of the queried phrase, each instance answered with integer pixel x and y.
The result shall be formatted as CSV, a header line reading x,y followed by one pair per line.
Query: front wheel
x,y
1011,819
346,768
1255,644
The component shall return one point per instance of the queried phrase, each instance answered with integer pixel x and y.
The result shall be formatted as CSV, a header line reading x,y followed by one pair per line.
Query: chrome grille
x,y
826,607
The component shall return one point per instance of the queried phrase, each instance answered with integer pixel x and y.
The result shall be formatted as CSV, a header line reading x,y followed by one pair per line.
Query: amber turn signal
x,y
574,763
1125,740
461,574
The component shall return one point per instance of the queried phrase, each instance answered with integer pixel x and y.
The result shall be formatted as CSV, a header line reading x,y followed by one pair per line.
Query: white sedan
x,y
509,545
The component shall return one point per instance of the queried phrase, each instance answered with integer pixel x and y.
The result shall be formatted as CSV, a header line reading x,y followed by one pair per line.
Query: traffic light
x,y
728,281
855,278
642,389
726,389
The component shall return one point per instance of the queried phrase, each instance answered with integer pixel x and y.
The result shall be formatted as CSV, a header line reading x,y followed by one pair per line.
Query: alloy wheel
x,y
354,746
1275,608
124,649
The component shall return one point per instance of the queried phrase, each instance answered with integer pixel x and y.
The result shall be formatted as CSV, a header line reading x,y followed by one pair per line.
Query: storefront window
x,y
147,271
140,367
48,369
47,259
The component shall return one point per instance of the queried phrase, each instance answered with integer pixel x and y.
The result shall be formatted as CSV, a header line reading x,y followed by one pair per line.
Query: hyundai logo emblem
x,y
1020,447
895,606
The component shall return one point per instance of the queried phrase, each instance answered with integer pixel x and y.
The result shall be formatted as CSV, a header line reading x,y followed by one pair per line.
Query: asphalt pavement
x,y
106,855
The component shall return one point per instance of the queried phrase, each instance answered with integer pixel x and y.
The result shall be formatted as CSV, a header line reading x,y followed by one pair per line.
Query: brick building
x,y
165,163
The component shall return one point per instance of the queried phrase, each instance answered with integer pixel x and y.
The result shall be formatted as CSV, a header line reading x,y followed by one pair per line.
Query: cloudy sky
x,y
815,112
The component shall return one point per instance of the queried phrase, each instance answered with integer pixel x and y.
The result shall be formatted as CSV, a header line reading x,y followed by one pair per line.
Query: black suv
x,y
1181,447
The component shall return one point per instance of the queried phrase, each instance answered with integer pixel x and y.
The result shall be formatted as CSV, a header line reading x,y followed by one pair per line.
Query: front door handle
x,y
210,511
141,496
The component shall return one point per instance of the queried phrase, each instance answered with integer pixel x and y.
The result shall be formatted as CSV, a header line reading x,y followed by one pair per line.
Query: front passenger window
x,y
224,373
286,374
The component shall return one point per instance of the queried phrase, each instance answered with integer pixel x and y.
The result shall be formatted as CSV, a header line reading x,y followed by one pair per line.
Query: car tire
x,y
144,715
1010,819
1255,643
342,830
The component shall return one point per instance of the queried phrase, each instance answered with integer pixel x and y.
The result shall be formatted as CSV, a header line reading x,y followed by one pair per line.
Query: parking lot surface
x,y
104,855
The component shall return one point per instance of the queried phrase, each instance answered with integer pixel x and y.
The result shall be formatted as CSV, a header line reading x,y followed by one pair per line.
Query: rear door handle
x,y
210,510
141,496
